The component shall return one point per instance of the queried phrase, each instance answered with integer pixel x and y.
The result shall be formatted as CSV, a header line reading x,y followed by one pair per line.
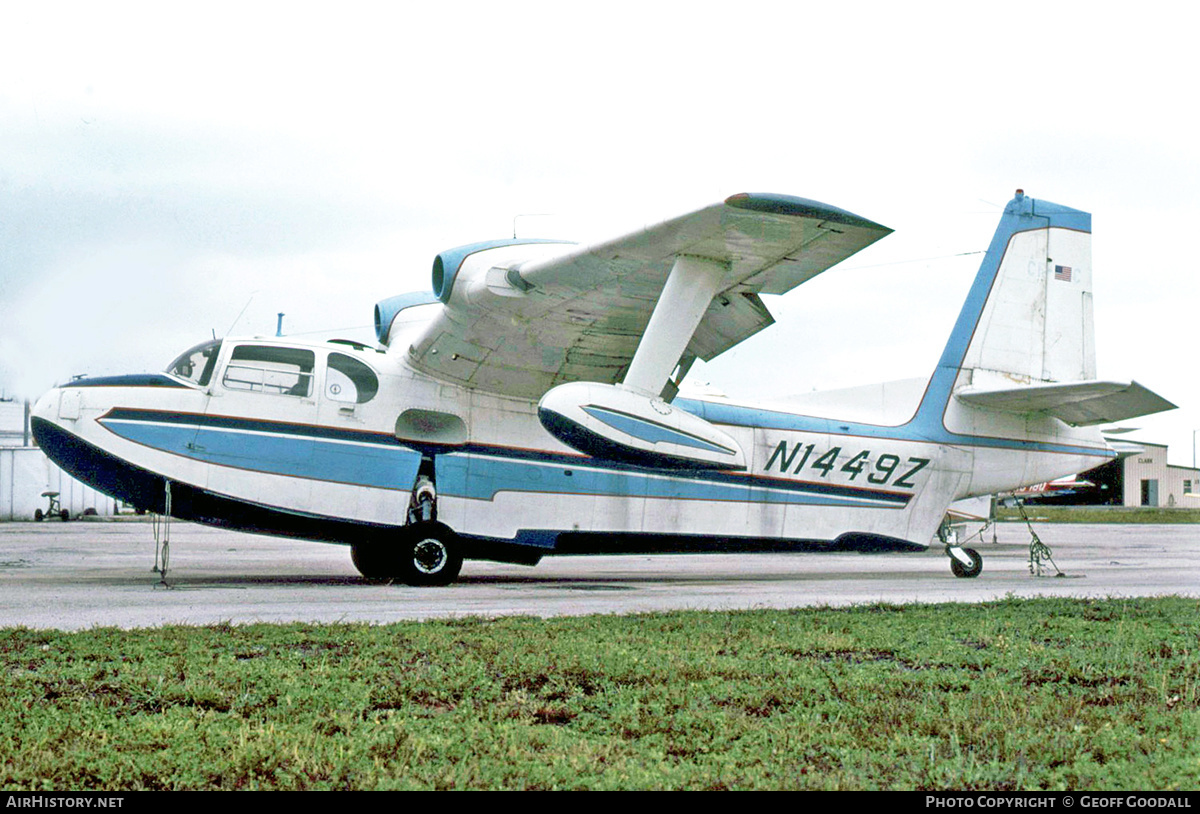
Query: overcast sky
x,y
165,166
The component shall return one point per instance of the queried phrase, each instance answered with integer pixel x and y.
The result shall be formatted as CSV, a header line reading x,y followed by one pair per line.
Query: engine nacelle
x,y
387,310
617,423
469,263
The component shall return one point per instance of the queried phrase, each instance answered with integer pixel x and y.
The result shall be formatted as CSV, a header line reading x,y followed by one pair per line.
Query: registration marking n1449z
x,y
877,470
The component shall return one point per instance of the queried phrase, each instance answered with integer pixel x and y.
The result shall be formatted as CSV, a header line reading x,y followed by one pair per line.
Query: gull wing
x,y
520,319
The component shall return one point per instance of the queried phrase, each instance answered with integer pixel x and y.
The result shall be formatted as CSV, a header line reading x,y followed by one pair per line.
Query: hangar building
x,y
1144,478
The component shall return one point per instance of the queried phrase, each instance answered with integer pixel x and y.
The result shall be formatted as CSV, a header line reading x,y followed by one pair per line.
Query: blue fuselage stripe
x,y
475,471
314,453
482,473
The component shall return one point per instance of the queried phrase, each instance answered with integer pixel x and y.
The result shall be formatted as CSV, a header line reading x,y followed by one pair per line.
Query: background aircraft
x,y
1067,485
529,405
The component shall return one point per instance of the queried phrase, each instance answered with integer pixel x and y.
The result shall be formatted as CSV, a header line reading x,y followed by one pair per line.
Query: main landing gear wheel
x,y
373,561
432,555
965,570
424,554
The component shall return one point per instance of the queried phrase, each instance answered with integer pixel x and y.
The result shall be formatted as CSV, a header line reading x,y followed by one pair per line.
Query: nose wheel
x,y
965,563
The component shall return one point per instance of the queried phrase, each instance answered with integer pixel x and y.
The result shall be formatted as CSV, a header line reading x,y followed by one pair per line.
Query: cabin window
x,y
270,369
349,380
196,364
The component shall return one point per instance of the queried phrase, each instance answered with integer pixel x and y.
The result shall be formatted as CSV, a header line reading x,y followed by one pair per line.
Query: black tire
x,y
37,515
431,555
65,515
373,560
962,571
425,554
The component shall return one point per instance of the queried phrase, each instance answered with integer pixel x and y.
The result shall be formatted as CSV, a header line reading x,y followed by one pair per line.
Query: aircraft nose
x,y
46,407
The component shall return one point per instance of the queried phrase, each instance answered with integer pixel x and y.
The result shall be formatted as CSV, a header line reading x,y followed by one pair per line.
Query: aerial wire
x,y
239,316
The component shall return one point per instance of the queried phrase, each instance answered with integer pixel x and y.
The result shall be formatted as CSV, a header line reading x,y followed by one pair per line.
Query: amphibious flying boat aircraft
x,y
529,405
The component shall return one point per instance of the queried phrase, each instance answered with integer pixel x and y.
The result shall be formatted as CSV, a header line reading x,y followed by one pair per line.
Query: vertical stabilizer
x,y
1028,315
1036,322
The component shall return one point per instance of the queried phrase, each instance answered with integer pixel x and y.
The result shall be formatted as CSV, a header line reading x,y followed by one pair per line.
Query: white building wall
x,y
25,472
1150,464
13,430
1183,488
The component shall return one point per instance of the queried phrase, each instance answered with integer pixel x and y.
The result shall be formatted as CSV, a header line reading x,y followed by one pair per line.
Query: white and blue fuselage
x,y
343,443
312,467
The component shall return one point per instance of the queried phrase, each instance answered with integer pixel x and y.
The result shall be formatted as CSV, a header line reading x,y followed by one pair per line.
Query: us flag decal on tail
x,y
1062,273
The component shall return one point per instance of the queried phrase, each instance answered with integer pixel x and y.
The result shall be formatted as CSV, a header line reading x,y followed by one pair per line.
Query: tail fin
x,y
1028,315
1036,322
1024,341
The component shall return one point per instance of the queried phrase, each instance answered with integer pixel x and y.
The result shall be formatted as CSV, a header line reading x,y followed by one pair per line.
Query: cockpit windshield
x,y
196,364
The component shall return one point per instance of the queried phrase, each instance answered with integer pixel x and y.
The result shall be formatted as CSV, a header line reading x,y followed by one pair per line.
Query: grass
x,y
1100,514
1017,694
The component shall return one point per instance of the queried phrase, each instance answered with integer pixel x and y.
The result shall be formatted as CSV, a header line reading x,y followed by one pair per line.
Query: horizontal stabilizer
x,y
1081,404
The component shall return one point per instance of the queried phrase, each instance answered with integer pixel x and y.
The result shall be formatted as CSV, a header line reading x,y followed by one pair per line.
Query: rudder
x,y
1036,324
1028,315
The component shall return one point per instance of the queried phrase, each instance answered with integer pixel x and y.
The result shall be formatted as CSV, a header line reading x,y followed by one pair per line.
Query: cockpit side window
x,y
196,364
349,380
270,369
